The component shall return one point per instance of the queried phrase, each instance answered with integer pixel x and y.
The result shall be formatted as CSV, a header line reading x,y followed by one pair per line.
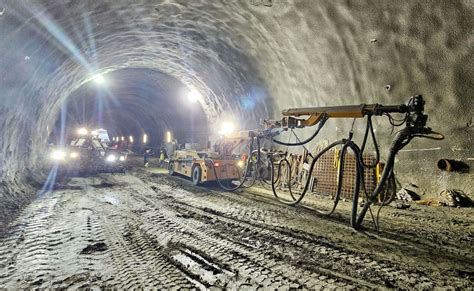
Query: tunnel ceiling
x,y
133,102
248,58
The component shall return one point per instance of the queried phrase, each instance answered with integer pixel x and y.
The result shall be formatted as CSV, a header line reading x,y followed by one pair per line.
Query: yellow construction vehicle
x,y
200,165
224,164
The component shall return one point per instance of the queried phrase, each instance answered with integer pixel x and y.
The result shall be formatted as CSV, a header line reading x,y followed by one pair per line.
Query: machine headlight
x,y
111,158
240,164
74,155
82,131
58,155
122,158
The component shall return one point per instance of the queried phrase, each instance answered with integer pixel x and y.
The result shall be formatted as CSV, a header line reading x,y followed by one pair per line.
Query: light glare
x,y
99,79
58,155
226,128
111,158
194,96
82,131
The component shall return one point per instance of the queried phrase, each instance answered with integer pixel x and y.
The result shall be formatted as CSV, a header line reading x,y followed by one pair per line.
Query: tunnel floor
x,y
145,229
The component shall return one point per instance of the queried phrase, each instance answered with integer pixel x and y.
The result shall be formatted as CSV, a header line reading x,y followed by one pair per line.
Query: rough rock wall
x,y
249,58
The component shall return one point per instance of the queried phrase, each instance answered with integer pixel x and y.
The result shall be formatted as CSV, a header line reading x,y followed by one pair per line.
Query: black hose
x,y
364,141
320,126
402,139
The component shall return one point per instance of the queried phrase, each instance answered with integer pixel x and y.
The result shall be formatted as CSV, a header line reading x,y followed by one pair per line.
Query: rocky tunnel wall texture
x,y
249,59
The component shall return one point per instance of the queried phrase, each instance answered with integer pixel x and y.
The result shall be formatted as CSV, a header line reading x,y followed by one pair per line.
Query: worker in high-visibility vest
x,y
162,158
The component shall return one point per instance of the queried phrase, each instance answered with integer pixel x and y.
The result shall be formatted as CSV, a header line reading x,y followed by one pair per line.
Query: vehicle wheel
x,y
171,169
196,175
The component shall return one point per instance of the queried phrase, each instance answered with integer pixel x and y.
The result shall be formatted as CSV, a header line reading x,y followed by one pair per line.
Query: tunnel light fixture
x,y
131,139
82,131
123,138
168,136
145,138
226,128
99,79
194,96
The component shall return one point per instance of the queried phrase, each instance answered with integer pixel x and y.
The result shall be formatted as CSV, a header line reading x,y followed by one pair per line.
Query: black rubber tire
x,y
171,169
196,171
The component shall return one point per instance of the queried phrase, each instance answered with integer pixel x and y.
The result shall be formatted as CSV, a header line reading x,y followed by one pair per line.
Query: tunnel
x,y
149,71
133,103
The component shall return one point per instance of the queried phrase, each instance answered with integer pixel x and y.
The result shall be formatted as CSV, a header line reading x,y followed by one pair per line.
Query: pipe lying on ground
x,y
452,166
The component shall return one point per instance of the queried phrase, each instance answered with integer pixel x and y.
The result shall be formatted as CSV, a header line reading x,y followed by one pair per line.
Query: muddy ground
x,y
145,228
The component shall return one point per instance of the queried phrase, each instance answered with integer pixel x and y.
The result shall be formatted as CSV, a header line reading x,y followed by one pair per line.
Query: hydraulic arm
x,y
314,115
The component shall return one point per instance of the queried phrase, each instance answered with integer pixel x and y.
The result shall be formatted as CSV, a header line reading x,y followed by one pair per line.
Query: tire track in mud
x,y
304,251
450,236
245,262
47,252
149,232
29,244
385,271
278,214
234,228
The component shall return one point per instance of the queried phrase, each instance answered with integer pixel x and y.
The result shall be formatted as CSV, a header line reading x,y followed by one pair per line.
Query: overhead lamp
x,y
194,96
145,138
131,139
98,78
226,128
168,136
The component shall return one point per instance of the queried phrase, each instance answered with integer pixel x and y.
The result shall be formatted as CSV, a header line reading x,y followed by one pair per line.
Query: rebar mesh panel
x,y
326,170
